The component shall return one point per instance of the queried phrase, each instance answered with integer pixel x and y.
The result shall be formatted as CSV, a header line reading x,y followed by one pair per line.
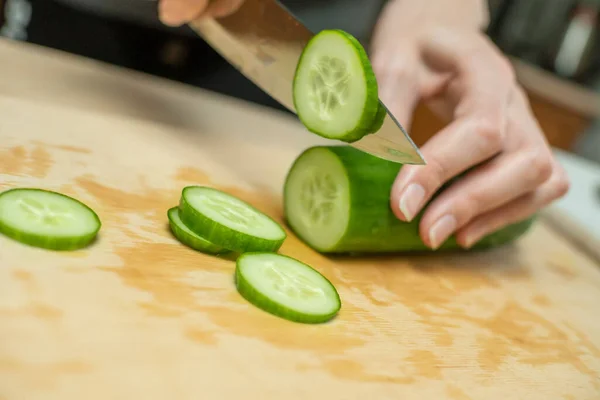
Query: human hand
x,y
493,136
179,12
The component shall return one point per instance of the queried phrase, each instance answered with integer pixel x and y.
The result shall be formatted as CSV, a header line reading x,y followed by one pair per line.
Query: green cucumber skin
x,y
373,227
262,302
190,241
372,92
212,231
379,119
52,243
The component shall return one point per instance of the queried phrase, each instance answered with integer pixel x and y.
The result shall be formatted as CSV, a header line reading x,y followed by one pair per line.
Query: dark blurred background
x,y
128,33
560,36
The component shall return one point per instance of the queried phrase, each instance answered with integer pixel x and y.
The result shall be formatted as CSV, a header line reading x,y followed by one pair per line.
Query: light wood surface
x,y
138,316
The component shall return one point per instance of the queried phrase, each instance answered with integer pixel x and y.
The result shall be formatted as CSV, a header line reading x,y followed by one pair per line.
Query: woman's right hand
x,y
179,12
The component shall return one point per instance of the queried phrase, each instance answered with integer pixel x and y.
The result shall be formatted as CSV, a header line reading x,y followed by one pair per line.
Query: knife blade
x,y
264,41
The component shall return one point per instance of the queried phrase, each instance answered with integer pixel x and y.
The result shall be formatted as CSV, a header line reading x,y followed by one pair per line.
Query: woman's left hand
x,y
421,54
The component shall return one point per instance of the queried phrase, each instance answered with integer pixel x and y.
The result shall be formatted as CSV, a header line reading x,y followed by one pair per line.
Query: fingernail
x,y
441,230
411,199
170,13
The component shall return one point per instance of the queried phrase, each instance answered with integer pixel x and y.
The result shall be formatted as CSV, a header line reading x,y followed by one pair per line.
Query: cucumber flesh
x,y
47,219
335,90
228,222
188,237
317,198
286,287
337,200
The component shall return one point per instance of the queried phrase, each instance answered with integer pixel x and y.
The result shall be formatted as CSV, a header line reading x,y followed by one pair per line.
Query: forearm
x,y
470,14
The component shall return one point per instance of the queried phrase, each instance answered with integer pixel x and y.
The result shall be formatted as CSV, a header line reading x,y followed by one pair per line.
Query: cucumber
x,y
379,119
47,219
228,222
335,91
286,287
337,200
188,237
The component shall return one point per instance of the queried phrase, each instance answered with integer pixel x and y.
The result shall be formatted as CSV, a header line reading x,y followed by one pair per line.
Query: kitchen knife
x,y
264,41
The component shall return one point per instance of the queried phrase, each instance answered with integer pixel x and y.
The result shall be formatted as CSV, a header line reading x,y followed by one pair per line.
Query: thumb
x,y
179,12
223,8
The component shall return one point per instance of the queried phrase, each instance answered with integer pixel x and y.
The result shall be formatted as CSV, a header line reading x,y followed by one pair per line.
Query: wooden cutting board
x,y
139,316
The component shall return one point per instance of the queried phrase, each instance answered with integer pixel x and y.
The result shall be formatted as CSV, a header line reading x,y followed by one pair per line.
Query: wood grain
x,y
139,316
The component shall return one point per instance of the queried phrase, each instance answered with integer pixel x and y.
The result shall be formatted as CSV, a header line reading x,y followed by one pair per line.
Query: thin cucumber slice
x,y
186,236
228,222
337,200
286,287
379,119
335,90
47,219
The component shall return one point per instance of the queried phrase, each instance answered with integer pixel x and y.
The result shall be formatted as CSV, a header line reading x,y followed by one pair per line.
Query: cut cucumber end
x,y
228,222
360,219
189,238
47,219
317,198
335,90
286,287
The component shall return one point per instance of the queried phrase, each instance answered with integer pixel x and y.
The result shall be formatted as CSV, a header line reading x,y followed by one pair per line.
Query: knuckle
x,y
490,133
431,177
437,173
540,167
562,185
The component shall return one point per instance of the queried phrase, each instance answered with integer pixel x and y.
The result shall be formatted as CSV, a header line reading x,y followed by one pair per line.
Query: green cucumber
x,y
286,287
379,119
47,219
337,200
335,90
228,222
189,238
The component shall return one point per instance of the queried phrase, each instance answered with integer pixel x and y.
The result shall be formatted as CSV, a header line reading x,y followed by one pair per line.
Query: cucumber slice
x,y
189,238
335,90
228,222
286,287
379,119
47,219
337,200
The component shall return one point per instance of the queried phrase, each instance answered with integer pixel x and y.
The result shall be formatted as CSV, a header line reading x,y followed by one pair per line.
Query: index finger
x,y
476,134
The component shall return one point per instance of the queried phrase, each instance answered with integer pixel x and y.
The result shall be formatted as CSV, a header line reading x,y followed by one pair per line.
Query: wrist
x,y
468,14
